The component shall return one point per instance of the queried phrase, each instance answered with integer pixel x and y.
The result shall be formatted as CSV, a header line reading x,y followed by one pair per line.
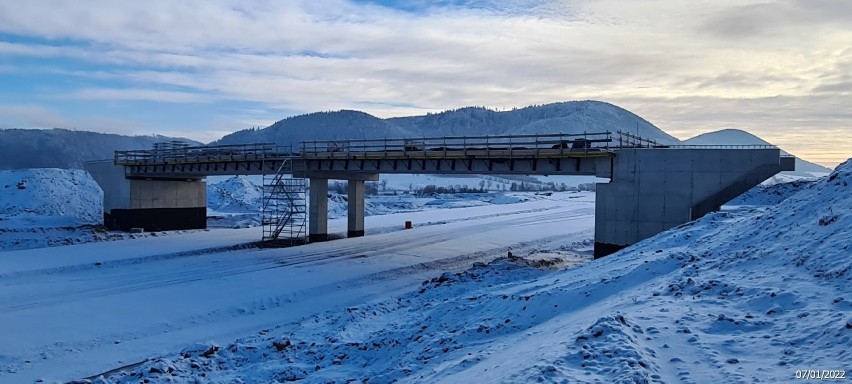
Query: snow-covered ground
x,y
94,307
749,294
772,193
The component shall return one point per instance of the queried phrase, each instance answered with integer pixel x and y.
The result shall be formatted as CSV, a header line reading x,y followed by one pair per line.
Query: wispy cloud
x,y
107,94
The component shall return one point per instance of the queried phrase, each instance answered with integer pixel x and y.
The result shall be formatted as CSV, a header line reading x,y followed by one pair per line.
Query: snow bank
x,y
49,207
68,193
235,194
771,194
738,296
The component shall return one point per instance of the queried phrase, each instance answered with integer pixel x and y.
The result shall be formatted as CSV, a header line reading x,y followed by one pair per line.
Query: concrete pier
x,y
355,201
318,210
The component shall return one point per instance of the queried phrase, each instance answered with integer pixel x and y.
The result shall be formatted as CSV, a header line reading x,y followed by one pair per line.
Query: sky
x,y
204,68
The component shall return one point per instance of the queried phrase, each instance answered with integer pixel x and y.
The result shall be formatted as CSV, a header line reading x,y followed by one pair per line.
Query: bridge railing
x,y
712,146
167,155
628,140
502,146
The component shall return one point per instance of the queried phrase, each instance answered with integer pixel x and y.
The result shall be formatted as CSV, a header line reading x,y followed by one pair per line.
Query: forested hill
x,y
61,148
567,117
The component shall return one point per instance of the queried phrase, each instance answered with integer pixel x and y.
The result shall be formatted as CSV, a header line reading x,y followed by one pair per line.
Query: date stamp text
x,y
821,374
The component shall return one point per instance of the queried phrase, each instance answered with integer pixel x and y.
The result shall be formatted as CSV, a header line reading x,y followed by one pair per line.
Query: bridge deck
x,y
524,154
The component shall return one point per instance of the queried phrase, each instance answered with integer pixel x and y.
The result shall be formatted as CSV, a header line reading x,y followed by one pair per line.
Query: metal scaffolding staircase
x,y
284,207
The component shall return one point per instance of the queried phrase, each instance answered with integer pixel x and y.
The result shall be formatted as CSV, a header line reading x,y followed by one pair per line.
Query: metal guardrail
x,y
711,146
209,153
628,140
464,146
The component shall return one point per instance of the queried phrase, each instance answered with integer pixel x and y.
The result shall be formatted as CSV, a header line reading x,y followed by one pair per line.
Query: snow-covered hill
x,y
740,137
750,295
340,125
62,148
567,117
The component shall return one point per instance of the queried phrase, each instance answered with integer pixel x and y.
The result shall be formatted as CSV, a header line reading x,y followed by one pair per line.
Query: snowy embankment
x,y
47,207
771,194
749,295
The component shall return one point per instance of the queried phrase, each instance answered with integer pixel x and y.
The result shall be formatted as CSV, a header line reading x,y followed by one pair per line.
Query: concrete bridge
x,y
652,187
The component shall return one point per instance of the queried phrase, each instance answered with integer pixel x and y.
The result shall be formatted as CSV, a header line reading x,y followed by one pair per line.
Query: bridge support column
x,y
318,211
356,208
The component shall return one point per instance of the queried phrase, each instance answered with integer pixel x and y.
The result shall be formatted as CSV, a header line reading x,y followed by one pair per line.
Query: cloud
x,y
814,127
105,94
687,66
778,18
36,116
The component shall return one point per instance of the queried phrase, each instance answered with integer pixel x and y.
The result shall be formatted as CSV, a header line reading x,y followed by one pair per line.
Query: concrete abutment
x,y
152,204
653,190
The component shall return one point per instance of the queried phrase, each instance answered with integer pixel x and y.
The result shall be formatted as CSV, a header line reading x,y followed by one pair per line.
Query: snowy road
x,y
76,311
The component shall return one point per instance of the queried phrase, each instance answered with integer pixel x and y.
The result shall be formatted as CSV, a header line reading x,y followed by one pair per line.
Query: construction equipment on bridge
x,y
284,215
